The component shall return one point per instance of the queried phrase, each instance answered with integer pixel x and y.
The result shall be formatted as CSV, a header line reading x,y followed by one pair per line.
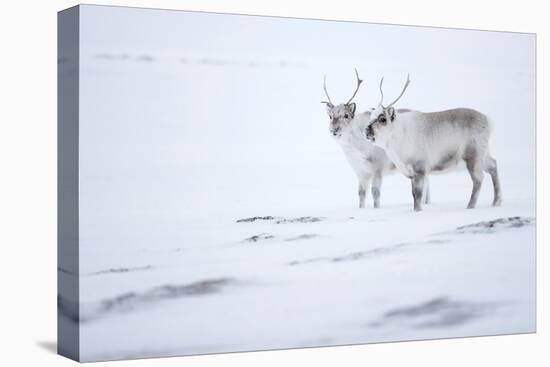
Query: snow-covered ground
x,y
354,276
217,214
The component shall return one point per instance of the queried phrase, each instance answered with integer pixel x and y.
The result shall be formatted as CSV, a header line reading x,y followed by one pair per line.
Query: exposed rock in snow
x,y
436,313
282,220
259,237
121,270
131,301
494,225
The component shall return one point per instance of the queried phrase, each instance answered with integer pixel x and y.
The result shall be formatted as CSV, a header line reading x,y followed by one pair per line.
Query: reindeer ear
x,y
391,113
352,107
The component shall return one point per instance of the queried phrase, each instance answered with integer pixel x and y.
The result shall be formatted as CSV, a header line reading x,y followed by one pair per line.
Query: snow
x,y
337,288
183,137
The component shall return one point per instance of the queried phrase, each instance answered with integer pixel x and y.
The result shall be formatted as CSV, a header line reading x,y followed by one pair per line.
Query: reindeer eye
x,y
382,119
346,116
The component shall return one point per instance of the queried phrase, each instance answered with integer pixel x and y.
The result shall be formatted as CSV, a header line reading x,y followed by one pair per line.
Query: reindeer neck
x,y
360,123
398,132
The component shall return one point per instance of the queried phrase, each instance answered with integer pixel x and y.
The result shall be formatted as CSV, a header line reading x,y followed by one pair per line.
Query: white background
x,y
28,186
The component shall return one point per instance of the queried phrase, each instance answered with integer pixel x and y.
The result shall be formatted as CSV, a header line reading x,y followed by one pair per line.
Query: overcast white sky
x,y
319,42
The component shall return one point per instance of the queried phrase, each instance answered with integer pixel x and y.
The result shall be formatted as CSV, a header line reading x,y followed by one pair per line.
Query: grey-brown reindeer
x,y
421,143
370,163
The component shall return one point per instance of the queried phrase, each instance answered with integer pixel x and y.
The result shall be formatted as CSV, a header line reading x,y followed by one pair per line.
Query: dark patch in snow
x,y
369,253
494,225
354,256
476,228
305,236
299,220
268,236
131,301
254,219
122,270
259,237
282,220
436,313
437,242
308,261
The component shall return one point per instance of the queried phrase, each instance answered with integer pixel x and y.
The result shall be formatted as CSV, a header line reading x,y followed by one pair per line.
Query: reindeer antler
x,y
381,92
400,95
402,92
329,102
359,81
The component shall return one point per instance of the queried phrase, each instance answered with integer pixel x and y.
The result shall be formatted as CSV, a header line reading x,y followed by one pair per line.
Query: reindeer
x,y
367,161
422,143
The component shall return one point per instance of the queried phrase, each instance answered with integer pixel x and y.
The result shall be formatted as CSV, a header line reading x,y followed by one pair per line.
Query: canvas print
x,y
239,183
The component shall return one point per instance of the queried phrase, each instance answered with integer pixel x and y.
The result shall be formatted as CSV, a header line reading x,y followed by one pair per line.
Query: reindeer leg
x,y
376,186
364,183
491,169
417,182
476,173
427,198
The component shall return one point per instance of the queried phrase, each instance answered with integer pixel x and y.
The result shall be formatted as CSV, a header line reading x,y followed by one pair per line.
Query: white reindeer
x,y
422,143
368,161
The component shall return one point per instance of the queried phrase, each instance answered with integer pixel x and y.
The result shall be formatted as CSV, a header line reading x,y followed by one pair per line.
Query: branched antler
x,y
381,92
359,81
329,102
402,92
400,95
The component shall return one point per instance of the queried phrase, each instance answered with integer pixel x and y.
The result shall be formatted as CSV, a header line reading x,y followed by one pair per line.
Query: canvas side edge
x,y
68,315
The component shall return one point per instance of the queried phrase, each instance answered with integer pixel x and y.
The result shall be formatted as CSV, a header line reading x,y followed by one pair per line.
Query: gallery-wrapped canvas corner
x,y
240,183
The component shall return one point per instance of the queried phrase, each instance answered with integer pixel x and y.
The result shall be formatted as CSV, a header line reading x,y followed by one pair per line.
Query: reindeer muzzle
x,y
369,132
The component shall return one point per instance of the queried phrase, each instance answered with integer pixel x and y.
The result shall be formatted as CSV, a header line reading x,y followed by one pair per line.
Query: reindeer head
x,y
382,117
342,114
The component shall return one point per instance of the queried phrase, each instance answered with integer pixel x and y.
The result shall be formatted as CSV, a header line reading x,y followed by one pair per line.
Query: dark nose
x,y
335,131
369,132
